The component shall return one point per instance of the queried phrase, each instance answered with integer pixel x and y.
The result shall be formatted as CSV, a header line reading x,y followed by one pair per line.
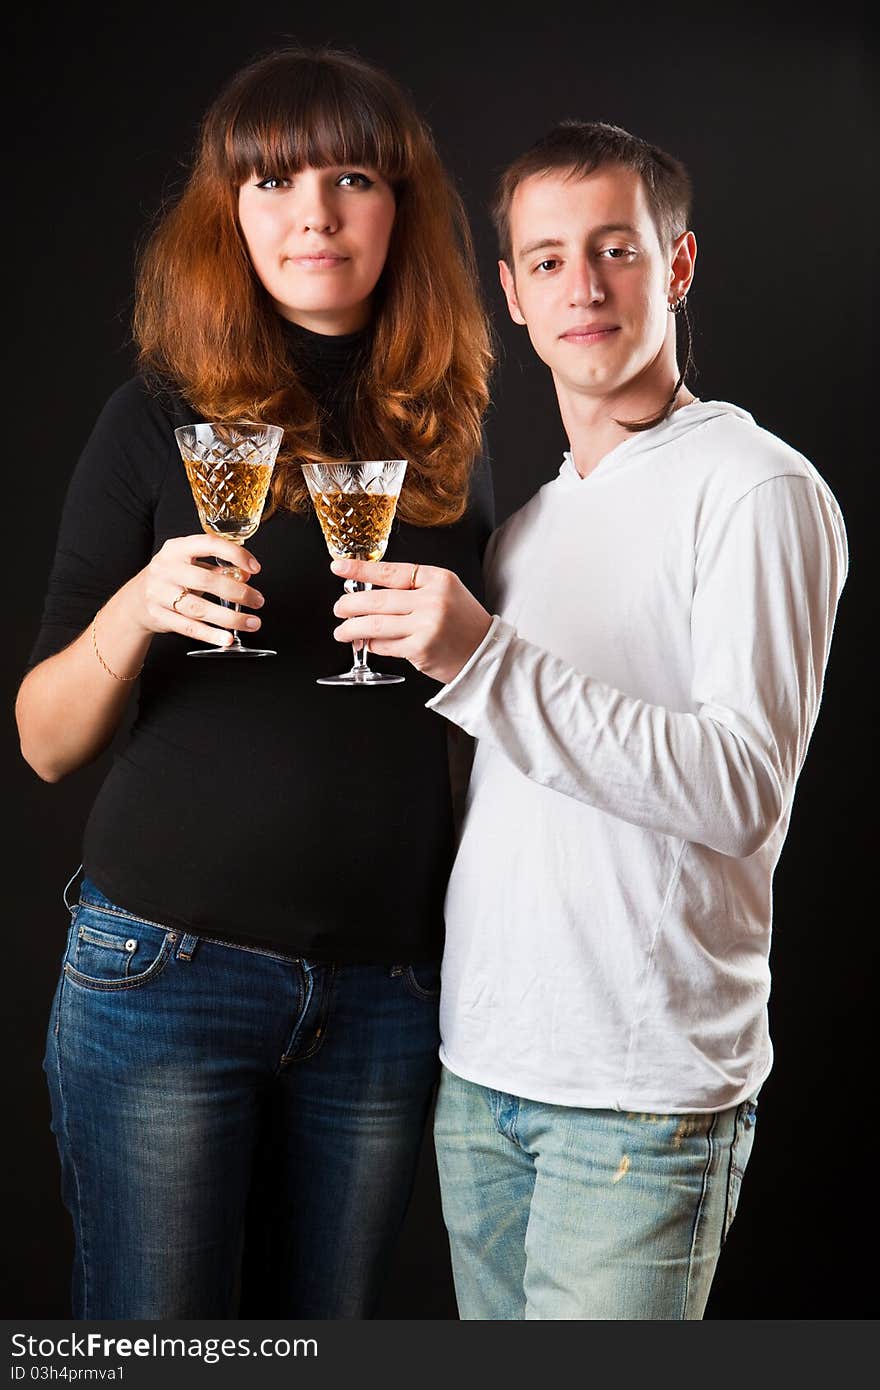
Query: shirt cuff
x,y
457,700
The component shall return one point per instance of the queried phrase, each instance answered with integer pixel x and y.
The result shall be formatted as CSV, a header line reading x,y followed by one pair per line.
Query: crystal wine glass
x,y
229,467
356,503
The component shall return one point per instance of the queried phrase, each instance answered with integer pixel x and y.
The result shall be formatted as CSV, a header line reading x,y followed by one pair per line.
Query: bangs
x,y
315,117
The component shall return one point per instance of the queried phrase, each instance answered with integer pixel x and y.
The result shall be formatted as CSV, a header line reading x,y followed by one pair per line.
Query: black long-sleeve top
x,y
250,803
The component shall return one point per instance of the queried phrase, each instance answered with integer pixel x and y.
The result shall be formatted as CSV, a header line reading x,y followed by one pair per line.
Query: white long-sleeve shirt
x,y
642,703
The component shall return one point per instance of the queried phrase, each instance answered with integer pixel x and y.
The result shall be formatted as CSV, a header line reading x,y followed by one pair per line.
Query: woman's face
x,y
318,240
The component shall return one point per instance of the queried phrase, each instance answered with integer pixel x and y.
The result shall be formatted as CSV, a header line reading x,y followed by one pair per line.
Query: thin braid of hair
x,y
689,353
636,426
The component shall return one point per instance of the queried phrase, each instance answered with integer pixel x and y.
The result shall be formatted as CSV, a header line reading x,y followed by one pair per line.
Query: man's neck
x,y
591,421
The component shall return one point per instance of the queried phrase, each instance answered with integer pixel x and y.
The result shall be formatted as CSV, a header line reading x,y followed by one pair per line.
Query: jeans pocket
x,y
109,950
423,981
740,1151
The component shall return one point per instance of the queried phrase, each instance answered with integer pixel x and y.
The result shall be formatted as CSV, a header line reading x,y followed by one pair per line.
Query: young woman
x,y
242,1046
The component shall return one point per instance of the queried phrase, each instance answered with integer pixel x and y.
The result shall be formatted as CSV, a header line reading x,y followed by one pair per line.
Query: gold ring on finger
x,y
412,578
176,601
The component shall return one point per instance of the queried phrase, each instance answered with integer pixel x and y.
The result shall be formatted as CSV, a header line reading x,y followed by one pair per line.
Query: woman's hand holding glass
x,y
182,590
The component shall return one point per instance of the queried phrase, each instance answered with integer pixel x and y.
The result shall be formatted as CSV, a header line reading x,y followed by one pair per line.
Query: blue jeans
x,y
195,1084
557,1212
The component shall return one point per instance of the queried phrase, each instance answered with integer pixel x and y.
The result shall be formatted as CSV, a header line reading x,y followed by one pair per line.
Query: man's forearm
x,y
682,774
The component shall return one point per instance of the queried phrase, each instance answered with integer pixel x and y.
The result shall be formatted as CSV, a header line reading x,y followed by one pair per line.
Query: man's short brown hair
x,y
581,147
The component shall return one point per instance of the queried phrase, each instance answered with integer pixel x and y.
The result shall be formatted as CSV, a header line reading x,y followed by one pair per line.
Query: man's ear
x,y
681,271
508,284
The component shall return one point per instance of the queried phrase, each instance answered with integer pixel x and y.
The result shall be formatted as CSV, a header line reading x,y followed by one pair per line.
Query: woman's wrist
x,y
119,640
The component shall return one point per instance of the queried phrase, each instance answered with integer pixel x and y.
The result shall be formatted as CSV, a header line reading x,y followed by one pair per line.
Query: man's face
x,y
589,277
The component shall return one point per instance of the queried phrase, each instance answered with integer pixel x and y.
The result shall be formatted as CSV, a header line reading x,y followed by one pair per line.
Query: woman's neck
x,y
329,323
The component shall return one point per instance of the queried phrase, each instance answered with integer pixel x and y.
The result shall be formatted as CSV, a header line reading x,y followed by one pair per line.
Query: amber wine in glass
x,y
229,468
355,503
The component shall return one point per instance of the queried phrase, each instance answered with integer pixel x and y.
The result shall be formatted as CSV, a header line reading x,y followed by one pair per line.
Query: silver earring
x,y
675,306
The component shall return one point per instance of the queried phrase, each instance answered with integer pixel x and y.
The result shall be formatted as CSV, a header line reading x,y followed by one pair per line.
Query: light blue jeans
x,y
558,1212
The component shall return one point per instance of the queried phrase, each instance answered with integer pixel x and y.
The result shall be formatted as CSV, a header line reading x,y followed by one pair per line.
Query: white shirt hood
x,y
682,422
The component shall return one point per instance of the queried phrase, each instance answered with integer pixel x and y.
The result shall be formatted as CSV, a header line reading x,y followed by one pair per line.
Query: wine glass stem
x,y
355,586
232,573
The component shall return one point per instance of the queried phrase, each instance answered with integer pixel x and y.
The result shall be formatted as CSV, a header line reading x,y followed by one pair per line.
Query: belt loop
x,y
187,948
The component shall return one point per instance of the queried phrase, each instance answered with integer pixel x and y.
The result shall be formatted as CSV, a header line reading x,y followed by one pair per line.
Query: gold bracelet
x,y
107,668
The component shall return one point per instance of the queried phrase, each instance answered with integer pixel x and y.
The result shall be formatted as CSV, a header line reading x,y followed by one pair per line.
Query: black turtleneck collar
x,y
325,356
328,366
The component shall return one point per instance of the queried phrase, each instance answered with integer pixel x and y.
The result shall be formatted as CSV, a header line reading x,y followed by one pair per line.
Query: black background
x,y
770,112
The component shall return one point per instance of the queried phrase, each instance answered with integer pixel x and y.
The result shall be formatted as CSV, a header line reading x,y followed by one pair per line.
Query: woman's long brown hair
x,y
204,322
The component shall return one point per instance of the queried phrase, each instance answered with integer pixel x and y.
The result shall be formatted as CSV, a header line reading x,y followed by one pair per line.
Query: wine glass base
x,y
232,651
361,676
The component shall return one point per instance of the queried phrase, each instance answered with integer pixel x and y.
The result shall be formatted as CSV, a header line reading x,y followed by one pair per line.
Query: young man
x,y
642,698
